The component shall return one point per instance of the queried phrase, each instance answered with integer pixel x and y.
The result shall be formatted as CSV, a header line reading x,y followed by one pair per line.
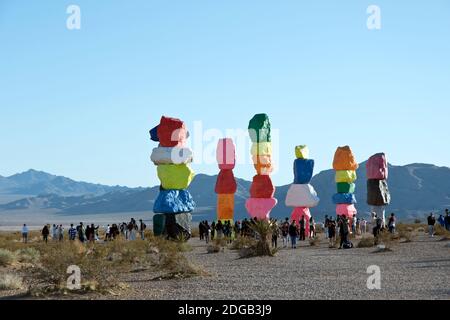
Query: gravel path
x,y
417,270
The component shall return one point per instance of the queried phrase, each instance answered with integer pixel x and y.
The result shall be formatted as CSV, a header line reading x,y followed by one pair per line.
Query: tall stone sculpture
x,y
301,194
345,165
262,190
378,195
174,203
226,185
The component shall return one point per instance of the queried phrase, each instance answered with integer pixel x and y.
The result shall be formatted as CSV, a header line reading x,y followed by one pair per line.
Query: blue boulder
x,y
154,134
303,171
174,201
344,198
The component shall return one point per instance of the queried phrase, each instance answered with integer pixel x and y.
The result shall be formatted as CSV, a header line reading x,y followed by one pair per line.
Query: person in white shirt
x,y
362,225
25,233
55,232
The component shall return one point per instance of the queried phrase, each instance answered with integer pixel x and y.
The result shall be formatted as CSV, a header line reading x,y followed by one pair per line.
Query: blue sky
x,y
80,103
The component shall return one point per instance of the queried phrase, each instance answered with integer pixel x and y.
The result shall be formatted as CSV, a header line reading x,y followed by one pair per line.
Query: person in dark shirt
x,y
431,222
293,234
302,229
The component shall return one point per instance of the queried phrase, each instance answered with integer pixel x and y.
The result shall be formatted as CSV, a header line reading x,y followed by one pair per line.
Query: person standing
x,y
219,229
213,230
293,234
325,225
285,232
363,226
72,232
343,230
302,229
447,220
81,232
312,228
391,223
275,234
25,233
201,230
354,225
332,232
142,227
45,232
54,232
207,231
431,222
60,233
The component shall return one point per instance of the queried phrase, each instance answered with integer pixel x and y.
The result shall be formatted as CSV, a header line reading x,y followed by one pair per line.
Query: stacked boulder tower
x,y
174,204
226,185
378,195
345,165
301,194
262,190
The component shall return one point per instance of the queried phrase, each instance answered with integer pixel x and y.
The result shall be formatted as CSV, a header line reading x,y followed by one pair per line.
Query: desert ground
x,y
411,270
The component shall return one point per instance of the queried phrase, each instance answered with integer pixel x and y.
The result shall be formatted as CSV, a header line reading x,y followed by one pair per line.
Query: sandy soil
x,y
416,270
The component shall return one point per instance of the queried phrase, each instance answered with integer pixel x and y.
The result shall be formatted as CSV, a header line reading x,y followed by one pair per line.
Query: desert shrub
x,y
6,257
242,242
417,221
213,248
195,233
407,235
261,247
441,231
314,242
420,230
10,282
28,255
366,242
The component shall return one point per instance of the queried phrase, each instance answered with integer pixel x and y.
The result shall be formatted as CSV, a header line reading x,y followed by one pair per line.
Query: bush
x,y
242,242
314,242
407,235
441,231
6,257
10,282
417,221
28,255
366,242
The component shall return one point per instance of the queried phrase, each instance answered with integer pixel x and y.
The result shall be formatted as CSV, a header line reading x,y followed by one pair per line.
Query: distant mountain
x,y
416,190
34,182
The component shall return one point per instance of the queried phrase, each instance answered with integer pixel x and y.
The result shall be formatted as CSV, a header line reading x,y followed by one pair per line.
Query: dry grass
x,y
6,257
45,265
242,242
10,282
314,242
262,246
366,242
444,234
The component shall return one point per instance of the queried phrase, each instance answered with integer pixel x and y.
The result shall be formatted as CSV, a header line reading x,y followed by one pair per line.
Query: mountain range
x,y
416,190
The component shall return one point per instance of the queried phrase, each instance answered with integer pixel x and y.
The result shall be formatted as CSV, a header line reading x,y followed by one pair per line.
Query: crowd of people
x,y
290,231
293,231
90,233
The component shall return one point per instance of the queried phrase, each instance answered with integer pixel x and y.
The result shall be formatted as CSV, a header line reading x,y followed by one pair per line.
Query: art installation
x,y
345,165
262,190
301,194
226,185
378,196
174,204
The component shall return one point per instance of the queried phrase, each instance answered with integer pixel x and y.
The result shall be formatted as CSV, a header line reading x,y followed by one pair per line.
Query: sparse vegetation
x,y
99,263
242,242
444,234
10,282
263,229
6,257
366,242
314,242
